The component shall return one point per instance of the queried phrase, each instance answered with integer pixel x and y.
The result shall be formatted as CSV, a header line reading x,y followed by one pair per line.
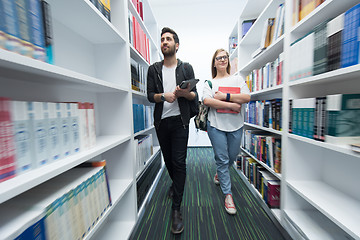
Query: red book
x,y
231,90
7,144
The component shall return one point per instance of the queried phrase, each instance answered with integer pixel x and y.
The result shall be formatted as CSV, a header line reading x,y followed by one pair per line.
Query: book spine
x,y
36,29
48,32
320,48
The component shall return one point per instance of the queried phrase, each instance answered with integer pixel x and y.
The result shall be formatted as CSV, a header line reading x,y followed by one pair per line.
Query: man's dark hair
x,y
169,30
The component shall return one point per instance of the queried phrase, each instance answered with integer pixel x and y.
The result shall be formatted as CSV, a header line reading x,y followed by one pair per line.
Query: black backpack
x,y
201,118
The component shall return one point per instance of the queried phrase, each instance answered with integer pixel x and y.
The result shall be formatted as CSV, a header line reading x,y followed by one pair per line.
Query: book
x,y
10,26
350,37
7,147
48,32
334,40
36,28
231,90
39,132
273,194
320,48
22,137
22,13
343,118
246,25
106,9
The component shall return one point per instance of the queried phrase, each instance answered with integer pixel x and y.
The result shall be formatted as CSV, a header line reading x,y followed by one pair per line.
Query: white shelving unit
x,y
92,64
319,197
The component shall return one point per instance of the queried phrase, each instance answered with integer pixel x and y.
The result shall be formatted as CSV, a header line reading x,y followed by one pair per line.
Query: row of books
x,y
334,118
138,76
144,150
264,182
233,43
272,30
138,4
301,8
26,28
265,113
331,45
33,134
138,38
65,207
267,76
143,117
264,146
103,6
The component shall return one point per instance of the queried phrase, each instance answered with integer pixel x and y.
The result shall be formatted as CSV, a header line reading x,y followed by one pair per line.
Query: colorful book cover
x,y
25,31
35,16
48,32
10,29
7,150
273,193
231,90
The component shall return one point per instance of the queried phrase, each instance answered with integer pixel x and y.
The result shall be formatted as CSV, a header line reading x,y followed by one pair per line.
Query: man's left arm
x,y
187,93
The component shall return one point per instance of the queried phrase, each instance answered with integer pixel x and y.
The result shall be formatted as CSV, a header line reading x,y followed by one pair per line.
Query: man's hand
x,y
170,97
179,92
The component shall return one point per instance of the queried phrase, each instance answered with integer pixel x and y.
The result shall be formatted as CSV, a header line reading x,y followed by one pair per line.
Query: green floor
x,y
203,210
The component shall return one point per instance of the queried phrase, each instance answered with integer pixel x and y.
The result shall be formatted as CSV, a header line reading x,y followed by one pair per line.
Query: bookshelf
x,y
318,196
91,64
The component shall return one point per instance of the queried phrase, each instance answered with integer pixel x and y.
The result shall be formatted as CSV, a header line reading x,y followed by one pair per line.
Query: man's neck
x,y
170,61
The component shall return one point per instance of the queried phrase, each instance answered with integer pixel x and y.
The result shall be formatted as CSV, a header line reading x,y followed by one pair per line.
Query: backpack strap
x,y
209,82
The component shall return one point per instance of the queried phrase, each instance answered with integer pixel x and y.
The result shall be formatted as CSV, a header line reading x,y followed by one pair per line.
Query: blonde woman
x,y
225,99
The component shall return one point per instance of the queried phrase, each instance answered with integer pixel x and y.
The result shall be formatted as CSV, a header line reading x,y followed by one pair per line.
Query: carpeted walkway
x,y
203,210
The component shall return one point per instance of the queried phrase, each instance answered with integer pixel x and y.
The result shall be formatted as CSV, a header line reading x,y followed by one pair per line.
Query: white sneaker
x,y
229,204
216,179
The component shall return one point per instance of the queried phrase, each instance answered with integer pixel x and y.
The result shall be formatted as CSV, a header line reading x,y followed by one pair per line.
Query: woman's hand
x,y
235,107
220,96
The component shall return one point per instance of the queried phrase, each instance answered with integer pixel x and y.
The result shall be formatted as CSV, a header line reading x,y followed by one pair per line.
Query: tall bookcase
x,y
92,64
319,197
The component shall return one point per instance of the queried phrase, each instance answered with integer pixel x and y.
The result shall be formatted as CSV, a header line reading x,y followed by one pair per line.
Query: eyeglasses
x,y
222,58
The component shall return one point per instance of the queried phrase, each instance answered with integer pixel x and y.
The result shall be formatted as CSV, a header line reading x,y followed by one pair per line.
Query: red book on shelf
x,y
231,90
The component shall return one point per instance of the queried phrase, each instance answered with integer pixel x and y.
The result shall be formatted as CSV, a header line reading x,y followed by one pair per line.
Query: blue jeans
x,y
226,147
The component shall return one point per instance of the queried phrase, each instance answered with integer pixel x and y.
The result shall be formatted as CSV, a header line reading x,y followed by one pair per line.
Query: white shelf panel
x,y
156,149
139,94
252,36
338,207
264,128
13,65
117,230
95,28
143,131
275,211
313,225
345,149
327,10
278,175
270,90
118,188
342,74
32,178
268,55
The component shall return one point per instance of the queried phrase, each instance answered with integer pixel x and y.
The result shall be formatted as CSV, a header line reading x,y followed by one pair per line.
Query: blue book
x,y
36,29
26,46
350,37
35,231
10,26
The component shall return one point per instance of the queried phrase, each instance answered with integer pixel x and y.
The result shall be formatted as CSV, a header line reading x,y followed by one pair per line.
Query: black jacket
x,y
155,85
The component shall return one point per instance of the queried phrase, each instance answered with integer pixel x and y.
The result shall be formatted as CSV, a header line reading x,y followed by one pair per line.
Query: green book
x,y
342,118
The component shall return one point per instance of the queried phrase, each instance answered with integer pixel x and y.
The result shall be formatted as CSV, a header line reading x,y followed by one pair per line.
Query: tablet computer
x,y
192,83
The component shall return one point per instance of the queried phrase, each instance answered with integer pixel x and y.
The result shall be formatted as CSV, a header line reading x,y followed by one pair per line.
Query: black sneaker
x,y
177,225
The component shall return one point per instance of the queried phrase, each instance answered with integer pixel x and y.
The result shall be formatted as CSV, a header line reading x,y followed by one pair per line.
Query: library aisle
x,y
203,213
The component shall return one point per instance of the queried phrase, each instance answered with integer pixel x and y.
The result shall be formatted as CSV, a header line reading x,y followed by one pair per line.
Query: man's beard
x,y
170,52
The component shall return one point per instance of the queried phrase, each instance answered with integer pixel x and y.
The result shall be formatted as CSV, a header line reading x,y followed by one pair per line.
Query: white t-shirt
x,y
169,83
227,122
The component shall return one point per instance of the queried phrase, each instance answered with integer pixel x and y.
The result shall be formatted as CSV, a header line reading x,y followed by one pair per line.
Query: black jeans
x,y
173,139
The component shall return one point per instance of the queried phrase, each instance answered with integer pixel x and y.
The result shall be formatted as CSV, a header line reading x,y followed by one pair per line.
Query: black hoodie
x,y
155,85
